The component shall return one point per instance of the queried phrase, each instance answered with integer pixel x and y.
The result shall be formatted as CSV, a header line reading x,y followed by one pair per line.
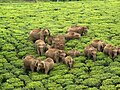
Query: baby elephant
x,y
38,34
69,61
73,53
72,35
30,63
99,44
41,47
90,51
82,30
111,51
46,65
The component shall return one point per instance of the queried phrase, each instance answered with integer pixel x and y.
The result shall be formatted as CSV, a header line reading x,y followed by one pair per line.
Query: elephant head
x,y
93,54
40,66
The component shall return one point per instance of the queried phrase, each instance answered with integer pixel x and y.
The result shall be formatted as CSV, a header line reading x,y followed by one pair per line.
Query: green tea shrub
x,y
8,47
68,76
52,85
17,71
93,88
35,85
25,78
118,86
84,76
103,76
79,65
115,79
38,77
107,82
56,72
76,87
115,64
7,86
77,71
3,60
115,70
108,87
18,63
78,81
81,59
8,66
54,78
55,88
92,82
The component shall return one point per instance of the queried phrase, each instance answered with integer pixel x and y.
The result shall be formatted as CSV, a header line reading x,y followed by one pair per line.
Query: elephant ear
x,y
36,62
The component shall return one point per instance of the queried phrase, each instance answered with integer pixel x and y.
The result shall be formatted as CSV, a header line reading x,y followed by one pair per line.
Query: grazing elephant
x,y
90,51
82,30
46,65
69,61
72,35
30,63
40,46
38,34
111,51
55,54
73,53
99,44
59,42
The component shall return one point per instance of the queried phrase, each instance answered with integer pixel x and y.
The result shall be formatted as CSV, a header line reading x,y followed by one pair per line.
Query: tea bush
x,y
18,19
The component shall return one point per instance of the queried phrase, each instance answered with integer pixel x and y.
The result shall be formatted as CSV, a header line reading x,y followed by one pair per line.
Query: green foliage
x,y
34,85
8,47
108,87
92,82
25,78
18,19
76,87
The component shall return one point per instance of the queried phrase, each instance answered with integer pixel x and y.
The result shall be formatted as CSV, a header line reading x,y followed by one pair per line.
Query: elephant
x,y
90,51
55,54
99,44
40,46
111,51
72,35
30,63
39,34
59,42
46,65
68,60
73,53
82,30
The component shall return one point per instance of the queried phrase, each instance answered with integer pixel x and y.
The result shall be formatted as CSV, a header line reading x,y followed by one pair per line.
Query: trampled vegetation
x,y
17,20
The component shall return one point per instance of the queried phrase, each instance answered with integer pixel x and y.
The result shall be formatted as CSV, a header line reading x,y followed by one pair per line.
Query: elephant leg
x,y
46,71
32,69
38,51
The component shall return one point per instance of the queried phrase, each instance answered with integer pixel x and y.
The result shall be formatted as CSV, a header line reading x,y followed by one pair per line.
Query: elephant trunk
x,y
94,57
41,50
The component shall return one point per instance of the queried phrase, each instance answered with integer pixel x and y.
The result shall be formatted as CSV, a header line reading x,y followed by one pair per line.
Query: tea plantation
x,y
18,19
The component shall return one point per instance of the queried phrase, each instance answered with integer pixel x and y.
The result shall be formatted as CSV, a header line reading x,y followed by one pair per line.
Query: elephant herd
x,y
53,48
